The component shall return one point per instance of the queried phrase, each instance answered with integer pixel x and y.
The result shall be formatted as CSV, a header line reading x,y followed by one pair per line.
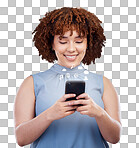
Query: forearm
x,y
29,131
110,129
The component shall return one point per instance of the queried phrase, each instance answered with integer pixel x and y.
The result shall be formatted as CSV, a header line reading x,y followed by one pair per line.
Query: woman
x,y
43,117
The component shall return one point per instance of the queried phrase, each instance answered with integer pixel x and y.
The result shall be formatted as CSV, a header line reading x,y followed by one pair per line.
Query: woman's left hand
x,y
89,107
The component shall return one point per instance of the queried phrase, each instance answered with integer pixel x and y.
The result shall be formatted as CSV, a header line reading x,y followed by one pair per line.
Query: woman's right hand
x,y
61,108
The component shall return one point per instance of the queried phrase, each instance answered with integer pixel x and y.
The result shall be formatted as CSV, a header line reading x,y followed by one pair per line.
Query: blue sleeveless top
x,y
75,130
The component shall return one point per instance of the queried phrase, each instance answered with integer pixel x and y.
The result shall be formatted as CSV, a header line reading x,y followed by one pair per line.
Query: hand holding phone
x,y
74,87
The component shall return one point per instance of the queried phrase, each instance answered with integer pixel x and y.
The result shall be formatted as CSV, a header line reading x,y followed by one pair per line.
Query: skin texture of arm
x,y
27,128
109,121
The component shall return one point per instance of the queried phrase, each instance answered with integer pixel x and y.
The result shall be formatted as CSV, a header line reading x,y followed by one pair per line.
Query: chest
x,y
50,93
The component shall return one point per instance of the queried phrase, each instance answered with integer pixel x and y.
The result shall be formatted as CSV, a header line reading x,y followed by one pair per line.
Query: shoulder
x,y
24,102
107,84
109,93
25,91
111,100
26,86
28,81
106,81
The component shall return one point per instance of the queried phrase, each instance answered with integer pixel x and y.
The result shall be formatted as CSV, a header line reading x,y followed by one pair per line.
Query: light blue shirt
x,y
75,130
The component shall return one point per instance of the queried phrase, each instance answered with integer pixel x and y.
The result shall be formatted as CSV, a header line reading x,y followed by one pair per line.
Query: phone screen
x,y
74,87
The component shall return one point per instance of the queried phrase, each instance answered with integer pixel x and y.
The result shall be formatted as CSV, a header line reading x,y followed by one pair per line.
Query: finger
x,y
66,96
69,113
69,103
84,95
71,107
84,112
82,108
77,102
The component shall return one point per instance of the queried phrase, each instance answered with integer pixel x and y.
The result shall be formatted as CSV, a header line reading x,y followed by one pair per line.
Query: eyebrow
x,y
65,37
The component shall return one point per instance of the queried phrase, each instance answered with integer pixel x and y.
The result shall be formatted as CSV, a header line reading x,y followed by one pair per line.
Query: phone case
x,y
74,87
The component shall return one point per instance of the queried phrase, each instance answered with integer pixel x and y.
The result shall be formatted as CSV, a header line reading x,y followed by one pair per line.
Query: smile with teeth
x,y
71,57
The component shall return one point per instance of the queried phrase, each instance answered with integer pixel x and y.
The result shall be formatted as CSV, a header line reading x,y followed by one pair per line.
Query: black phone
x,y
74,87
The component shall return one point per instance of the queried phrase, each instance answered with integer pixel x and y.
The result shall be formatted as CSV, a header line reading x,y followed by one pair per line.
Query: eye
x,y
79,42
62,42
66,42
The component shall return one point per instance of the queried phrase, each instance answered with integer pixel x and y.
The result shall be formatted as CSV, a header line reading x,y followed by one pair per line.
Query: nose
x,y
71,47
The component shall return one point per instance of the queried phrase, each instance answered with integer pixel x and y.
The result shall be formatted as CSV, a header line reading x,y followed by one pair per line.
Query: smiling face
x,y
70,50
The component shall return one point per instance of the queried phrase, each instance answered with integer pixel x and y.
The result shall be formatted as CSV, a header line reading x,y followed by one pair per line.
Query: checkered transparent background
x,y
119,62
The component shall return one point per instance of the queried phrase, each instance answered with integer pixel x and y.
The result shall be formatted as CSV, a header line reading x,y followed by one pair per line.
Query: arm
x,y
27,128
109,120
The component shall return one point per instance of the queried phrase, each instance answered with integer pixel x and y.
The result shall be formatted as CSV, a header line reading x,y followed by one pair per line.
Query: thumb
x,y
66,96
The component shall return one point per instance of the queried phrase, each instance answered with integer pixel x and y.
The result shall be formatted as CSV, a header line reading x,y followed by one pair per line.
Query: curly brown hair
x,y
58,21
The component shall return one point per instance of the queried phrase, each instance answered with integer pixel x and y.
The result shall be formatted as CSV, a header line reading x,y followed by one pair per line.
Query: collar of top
x,y
63,70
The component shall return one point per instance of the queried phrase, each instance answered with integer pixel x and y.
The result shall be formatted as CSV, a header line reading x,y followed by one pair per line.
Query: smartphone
x,y
74,87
